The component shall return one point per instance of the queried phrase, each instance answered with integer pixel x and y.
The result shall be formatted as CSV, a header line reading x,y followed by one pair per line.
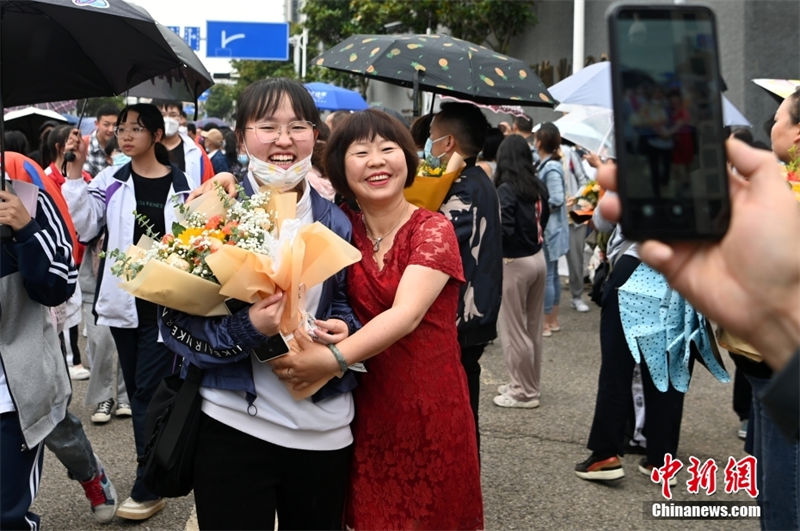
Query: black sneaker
x,y
647,469
598,467
102,412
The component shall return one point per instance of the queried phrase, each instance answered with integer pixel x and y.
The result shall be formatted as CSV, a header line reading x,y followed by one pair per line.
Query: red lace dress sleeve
x,y
434,245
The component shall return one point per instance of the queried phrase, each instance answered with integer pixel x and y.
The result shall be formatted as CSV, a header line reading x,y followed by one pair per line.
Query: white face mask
x,y
170,126
183,130
277,178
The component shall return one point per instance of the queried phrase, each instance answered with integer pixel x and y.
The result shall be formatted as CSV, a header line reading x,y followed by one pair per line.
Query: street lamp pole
x,y
578,30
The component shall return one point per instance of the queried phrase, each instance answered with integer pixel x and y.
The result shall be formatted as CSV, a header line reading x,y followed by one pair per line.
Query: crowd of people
x,y
397,447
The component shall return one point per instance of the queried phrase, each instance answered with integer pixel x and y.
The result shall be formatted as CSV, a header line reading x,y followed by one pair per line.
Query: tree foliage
x,y
220,100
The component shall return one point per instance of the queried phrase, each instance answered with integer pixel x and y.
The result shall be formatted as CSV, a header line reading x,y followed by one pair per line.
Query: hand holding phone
x,y
668,122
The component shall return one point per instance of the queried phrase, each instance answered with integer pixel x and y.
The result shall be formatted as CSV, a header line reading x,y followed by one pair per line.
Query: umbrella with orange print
x,y
439,64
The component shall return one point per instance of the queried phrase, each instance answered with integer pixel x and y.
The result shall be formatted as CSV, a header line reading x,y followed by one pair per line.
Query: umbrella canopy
x,y
439,64
57,49
593,130
29,120
514,110
589,86
592,86
211,121
329,97
779,88
184,82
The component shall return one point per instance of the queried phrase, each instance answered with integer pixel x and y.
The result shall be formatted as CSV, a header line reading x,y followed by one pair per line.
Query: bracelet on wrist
x,y
339,358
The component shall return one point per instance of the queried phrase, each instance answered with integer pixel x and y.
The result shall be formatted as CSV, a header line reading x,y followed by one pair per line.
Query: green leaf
x,y
177,229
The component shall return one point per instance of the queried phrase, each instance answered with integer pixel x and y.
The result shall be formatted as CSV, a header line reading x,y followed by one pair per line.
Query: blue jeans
x,y
778,466
552,286
145,362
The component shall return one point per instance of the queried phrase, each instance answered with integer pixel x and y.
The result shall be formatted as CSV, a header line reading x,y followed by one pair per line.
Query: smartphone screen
x,y
670,147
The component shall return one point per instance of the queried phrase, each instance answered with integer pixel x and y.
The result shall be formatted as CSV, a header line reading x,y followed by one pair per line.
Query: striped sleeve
x,y
43,249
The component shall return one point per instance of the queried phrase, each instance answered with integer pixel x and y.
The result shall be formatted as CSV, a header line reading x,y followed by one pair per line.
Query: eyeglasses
x,y
268,132
135,131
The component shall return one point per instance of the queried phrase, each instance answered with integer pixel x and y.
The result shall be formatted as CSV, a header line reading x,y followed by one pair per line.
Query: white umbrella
x,y
592,86
593,130
29,120
28,111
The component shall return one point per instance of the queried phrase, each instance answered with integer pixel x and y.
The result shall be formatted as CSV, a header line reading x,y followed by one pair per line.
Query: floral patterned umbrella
x,y
439,64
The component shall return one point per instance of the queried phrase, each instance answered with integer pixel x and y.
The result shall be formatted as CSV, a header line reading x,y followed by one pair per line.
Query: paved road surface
x,y
527,455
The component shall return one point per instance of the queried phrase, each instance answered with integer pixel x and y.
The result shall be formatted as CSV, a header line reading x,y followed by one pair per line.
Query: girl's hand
x,y
266,314
225,179
331,331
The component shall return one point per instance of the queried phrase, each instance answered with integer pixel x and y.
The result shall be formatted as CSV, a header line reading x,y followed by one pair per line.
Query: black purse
x,y
171,425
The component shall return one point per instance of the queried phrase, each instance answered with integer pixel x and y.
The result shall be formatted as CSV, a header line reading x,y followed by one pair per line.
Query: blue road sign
x,y
191,36
248,40
175,29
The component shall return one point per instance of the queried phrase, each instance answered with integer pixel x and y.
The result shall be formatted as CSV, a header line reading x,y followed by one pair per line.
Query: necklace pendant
x,y
376,245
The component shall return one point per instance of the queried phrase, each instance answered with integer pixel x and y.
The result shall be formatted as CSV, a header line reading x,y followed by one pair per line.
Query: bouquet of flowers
x,y
222,248
432,182
585,202
431,167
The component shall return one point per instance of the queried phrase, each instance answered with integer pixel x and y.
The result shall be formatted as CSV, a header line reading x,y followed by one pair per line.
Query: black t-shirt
x,y
151,200
176,155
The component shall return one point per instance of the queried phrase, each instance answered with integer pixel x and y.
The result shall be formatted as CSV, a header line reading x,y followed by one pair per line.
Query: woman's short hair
x,y
365,126
262,98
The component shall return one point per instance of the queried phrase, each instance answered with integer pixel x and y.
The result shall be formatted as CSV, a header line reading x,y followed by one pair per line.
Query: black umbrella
x,y
184,82
54,50
439,64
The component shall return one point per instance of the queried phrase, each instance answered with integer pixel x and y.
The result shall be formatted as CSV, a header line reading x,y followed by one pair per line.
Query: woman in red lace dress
x,y
415,463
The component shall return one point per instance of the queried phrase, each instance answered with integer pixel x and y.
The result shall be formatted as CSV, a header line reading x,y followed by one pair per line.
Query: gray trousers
x,y
69,444
577,241
520,323
106,380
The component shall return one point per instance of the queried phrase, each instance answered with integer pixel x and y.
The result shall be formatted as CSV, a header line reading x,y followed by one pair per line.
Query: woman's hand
x,y
310,364
224,179
266,314
331,331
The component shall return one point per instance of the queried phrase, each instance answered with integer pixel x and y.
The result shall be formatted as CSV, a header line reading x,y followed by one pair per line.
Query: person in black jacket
x,y
471,206
523,214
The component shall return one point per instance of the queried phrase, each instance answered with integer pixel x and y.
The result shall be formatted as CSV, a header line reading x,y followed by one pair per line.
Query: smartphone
x,y
274,347
670,145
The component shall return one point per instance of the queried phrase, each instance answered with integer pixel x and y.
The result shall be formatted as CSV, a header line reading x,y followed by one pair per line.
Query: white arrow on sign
x,y
224,40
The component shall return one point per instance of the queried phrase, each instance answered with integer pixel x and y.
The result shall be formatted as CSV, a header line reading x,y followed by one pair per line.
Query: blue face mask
x,y
242,158
433,160
120,159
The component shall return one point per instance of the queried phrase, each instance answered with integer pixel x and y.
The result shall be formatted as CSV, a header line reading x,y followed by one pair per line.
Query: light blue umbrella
x,y
332,98
592,86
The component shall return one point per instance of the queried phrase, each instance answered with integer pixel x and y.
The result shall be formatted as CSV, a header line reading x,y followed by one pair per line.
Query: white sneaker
x,y
507,401
579,305
502,389
130,509
79,373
